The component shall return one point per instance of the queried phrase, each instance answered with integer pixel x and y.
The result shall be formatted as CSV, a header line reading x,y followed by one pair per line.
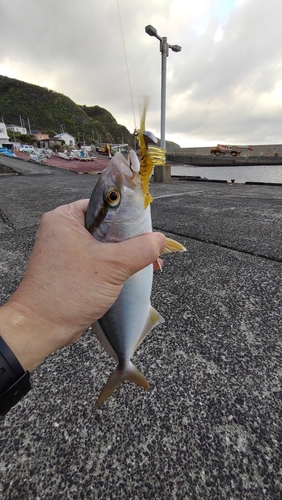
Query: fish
x,y
119,209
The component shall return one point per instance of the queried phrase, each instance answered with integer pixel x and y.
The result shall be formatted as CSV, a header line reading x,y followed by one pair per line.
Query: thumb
x,y
137,253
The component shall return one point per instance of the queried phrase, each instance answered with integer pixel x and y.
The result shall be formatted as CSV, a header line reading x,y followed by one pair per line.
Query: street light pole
x,y
164,49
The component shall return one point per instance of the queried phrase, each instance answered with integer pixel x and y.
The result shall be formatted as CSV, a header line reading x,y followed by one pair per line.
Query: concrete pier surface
x,y
210,427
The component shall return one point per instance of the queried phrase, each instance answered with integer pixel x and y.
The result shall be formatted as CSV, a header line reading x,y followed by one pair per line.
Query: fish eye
x,y
112,197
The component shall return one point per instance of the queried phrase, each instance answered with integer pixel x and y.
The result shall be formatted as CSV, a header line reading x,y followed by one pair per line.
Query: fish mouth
x,y
128,167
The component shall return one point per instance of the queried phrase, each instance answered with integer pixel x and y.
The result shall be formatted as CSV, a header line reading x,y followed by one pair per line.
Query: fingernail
x,y
162,240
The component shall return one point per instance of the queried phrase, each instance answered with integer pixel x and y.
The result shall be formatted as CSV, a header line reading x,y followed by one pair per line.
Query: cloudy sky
x,y
224,86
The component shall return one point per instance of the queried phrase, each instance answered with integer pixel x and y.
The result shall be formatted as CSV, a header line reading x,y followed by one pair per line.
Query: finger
x,y
81,205
76,210
158,265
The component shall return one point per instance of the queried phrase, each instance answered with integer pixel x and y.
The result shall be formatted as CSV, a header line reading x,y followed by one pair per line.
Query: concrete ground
x,y
210,428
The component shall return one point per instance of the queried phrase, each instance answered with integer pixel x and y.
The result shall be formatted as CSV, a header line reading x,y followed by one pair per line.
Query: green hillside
x,y
48,110
119,132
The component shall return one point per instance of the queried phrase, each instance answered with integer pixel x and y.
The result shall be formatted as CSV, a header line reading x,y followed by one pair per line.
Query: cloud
x,y
225,84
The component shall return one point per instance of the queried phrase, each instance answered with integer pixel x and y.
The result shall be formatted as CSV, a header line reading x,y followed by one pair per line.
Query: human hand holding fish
x,y
71,280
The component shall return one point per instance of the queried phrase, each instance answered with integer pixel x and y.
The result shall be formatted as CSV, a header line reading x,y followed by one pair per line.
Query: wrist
x,y
18,330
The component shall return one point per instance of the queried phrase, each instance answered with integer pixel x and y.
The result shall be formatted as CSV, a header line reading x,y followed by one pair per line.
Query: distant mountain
x,y
48,111
101,115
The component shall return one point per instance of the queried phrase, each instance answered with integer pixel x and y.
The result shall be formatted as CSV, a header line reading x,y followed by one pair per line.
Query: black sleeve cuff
x,y
14,381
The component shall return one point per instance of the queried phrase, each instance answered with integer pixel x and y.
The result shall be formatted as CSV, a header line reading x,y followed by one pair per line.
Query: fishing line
x,y
126,63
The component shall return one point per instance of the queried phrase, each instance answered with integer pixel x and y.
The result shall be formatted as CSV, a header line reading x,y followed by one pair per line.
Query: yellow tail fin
x,y
117,378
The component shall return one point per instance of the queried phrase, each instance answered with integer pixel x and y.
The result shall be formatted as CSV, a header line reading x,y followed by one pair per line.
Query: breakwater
x,y
211,160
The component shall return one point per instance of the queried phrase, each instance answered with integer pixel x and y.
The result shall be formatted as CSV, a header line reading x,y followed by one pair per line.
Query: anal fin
x,y
103,340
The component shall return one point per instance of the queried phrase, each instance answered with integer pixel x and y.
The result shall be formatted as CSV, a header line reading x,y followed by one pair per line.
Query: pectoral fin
x,y
173,246
117,378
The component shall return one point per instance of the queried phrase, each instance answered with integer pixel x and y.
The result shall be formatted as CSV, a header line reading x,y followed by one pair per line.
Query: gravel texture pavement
x,y
210,428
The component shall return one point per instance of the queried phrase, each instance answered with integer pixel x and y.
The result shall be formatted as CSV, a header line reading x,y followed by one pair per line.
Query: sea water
x,y
240,174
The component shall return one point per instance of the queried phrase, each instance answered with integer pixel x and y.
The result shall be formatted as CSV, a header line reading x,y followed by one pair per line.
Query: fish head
x,y
116,208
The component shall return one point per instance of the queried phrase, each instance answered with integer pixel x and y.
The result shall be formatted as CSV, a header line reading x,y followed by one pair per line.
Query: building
x,y
42,140
41,137
4,138
67,138
17,129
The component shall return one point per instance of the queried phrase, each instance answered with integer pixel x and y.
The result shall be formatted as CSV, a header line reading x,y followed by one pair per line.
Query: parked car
x,y
27,148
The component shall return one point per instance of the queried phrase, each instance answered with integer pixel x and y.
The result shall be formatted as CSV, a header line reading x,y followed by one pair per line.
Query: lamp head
x,y
150,30
175,48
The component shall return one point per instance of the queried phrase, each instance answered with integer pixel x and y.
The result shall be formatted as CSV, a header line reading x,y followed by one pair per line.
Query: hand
x,y
71,280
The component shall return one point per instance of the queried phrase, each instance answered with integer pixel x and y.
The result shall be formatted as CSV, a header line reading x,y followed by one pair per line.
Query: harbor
x,y
263,173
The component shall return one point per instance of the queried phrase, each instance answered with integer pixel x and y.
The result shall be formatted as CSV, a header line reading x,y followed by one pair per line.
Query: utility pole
x,y
29,126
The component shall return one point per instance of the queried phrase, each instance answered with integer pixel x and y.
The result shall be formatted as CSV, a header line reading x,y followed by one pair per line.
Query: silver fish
x,y
119,209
